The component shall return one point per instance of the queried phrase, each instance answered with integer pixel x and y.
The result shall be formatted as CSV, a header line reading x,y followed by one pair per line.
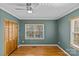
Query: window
x,y
75,33
34,31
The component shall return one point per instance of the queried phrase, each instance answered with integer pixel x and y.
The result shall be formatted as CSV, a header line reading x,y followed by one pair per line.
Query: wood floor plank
x,y
38,51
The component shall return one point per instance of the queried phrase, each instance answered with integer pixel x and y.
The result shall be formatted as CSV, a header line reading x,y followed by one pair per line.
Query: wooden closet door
x,y
11,36
6,37
16,36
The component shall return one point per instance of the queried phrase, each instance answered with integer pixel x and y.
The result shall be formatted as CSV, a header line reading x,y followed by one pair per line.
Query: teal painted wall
x,y
1,36
50,32
64,33
4,15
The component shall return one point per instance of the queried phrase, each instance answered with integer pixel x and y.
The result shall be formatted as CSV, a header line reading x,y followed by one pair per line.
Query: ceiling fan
x,y
29,7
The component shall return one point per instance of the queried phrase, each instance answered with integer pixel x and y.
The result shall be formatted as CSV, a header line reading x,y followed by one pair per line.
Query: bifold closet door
x,y
6,36
11,36
15,35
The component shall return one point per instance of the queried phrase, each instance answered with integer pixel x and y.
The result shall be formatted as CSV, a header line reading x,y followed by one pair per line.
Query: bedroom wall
x,y
64,33
50,32
4,15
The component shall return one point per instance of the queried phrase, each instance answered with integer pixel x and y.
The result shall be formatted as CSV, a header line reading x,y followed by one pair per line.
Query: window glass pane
x,y
76,39
76,26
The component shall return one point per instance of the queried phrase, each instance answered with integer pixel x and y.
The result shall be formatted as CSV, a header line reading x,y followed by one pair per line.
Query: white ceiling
x,y
43,11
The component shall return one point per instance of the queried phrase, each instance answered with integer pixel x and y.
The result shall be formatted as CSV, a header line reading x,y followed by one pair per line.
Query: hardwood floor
x,y
38,51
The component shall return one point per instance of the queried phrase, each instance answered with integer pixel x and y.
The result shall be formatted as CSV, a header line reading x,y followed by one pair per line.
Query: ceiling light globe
x,y
29,11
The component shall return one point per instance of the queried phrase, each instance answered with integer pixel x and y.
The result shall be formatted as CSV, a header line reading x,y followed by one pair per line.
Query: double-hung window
x,y
34,31
75,32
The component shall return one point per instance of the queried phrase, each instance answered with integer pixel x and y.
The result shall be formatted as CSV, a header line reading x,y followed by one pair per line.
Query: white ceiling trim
x,y
67,12
9,12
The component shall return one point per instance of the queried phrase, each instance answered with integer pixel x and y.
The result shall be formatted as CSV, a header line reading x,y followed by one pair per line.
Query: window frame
x,y
26,38
73,33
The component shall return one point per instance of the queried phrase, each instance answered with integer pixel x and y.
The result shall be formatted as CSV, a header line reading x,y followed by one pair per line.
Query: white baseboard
x,y
46,45
64,50
37,45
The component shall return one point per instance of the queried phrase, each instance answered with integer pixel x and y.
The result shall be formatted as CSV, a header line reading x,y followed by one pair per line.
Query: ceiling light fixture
x,y
29,11
29,8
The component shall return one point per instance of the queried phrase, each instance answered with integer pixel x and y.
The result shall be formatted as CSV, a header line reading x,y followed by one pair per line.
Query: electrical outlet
x,y
58,42
22,41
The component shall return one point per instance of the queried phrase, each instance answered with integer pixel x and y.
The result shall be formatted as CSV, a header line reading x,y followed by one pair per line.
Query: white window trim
x,y
71,34
34,38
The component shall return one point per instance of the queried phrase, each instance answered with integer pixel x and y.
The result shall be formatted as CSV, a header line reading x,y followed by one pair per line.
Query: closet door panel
x,y
16,37
14,34
10,36
6,36
12,41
